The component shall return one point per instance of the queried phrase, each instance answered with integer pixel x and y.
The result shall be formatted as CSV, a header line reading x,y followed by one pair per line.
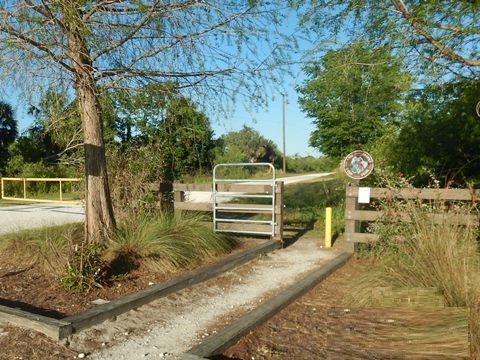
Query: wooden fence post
x,y
178,196
351,225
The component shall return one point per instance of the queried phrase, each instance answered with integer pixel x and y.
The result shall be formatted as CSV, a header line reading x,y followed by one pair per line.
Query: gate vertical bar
x,y
278,233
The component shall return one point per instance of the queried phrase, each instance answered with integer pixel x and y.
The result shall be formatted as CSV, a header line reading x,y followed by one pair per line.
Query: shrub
x,y
423,246
85,268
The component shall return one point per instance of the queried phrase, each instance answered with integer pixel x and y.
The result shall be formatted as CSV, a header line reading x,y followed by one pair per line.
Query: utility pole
x,y
283,122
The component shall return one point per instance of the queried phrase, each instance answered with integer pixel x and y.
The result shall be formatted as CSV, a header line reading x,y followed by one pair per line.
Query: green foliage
x,y
309,164
352,94
247,145
305,204
186,139
420,261
157,115
415,251
162,242
8,133
167,242
47,247
440,136
86,268
131,169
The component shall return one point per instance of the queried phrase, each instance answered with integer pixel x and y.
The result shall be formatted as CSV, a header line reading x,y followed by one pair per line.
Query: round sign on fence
x,y
358,164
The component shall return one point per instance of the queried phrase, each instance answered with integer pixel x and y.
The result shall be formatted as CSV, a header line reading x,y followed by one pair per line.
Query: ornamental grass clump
x,y
167,242
46,247
426,244
426,256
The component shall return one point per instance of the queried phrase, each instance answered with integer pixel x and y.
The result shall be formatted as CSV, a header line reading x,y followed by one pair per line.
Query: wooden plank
x,y
364,215
193,206
459,219
243,188
242,227
55,329
416,193
246,188
106,311
192,187
350,204
363,237
221,341
230,206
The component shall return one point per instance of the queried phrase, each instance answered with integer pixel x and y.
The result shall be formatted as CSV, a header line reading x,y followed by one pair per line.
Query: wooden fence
x,y
181,203
354,215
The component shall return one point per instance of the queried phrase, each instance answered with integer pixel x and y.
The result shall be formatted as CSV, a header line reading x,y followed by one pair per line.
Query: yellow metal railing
x,y
24,197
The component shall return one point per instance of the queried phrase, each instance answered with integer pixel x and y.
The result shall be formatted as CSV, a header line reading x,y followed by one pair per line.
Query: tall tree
x,y
186,139
101,44
8,132
440,136
351,94
440,33
247,145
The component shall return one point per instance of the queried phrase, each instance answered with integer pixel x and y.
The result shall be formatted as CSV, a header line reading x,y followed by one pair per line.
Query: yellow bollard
x,y
328,227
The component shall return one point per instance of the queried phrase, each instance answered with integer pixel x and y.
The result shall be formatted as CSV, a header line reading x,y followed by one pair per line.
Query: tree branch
x,y
130,35
445,51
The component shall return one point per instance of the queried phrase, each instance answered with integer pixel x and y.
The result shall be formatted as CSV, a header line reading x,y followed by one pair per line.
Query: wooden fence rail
x,y
354,215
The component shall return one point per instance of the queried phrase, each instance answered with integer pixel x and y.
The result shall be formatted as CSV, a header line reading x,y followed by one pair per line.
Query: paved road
x,y
206,196
13,218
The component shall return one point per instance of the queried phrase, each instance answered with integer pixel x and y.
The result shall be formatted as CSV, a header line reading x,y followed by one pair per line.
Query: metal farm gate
x,y
245,205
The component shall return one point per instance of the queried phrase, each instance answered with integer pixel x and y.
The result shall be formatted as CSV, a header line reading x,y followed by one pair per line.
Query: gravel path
x,y
170,326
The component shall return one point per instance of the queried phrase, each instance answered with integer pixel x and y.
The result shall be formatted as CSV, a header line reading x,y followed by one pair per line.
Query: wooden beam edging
x,y
224,339
116,307
53,328
60,329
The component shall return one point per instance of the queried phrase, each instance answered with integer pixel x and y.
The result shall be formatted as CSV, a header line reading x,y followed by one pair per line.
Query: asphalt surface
x,y
206,196
19,217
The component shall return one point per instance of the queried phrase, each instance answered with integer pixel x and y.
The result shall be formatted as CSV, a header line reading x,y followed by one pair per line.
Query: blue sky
x,y
267,121
269,124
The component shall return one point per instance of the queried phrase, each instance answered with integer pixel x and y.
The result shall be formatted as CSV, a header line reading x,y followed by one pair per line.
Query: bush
x,y
47,247
85,268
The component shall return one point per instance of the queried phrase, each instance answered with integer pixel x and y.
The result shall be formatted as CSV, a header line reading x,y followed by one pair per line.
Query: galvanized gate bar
x,y
221,224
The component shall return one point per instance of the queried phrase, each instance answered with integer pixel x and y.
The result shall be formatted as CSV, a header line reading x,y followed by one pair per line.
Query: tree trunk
x,y
99,218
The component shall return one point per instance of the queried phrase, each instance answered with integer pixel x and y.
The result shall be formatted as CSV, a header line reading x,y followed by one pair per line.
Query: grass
x,y
423,263
166,242
163,243
48,247
305,204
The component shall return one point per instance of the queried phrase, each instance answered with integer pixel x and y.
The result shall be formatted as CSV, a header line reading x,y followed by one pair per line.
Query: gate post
x,y
279,210
351,225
